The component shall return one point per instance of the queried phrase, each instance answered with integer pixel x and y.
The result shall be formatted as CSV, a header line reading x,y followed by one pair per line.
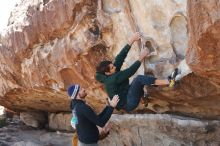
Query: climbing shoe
x,y
172,77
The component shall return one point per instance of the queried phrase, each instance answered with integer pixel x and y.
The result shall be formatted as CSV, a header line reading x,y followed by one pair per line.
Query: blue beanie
x,y
73,90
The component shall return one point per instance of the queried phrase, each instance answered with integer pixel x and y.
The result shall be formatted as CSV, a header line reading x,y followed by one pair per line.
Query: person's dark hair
x,y
103,67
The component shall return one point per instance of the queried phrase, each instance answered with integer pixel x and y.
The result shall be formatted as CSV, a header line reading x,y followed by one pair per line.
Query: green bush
x,y
2,121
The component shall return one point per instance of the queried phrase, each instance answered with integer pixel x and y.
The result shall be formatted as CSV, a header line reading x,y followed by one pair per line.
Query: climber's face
x,y
82,93
112,69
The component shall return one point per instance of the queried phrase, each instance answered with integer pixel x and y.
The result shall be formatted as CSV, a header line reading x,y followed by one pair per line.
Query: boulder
x,y
33,119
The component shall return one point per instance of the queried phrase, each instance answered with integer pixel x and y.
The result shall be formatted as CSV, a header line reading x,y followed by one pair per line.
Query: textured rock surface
x,y
42,54
33,119
60,121
50,44
165,23
204,47
129,130
187,98
157,130
20,135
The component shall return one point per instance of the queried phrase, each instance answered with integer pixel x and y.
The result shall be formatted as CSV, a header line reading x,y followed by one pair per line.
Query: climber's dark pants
x,y
136,91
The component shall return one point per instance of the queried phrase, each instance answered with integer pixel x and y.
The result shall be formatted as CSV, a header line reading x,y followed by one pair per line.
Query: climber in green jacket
x,y
116,81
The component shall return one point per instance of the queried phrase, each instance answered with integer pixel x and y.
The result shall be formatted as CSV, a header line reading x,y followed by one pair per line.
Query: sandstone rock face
x,y
60,122
203,52
51,44
187,98
33,119
165,23
129,130
157,130
43,55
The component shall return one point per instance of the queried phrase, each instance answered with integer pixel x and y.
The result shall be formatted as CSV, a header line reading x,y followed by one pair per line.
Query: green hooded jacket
x,y
118,83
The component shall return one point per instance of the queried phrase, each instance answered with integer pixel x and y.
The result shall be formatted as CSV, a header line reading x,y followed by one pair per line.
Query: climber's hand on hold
x,y
143,55
135,37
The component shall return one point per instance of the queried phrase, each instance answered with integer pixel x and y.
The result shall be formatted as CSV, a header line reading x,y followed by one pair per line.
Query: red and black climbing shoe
x,y
172,77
